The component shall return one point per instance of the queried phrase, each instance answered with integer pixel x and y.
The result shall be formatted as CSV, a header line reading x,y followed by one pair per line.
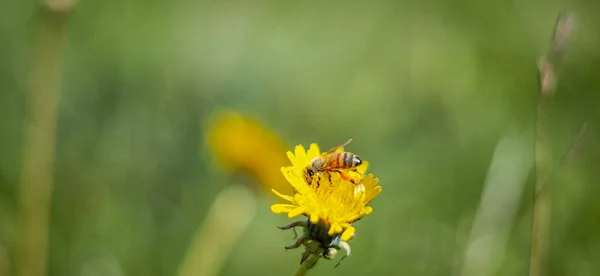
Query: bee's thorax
x,y
317,163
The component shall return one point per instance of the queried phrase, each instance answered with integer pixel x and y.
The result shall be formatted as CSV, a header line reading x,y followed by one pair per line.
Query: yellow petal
x,y
355,217
295,180
368,181
301,159
332,229
368,210
296,212
314,219
292,158
338,229
282,196
359,191
348,233
363,167
282,208
373,193
313,151
373,182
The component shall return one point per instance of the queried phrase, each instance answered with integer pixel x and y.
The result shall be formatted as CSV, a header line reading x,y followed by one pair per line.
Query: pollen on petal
x,y
359,190
348,233
282,208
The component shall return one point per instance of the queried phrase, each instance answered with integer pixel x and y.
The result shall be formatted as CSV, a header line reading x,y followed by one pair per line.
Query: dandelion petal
x,y
347,235
296,212
362,168
313,151
332,229
300,156
282,208
373,193
314,219
291,156
282,196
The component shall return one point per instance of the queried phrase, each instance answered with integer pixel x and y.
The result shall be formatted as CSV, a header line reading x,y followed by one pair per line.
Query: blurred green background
x,y
427,89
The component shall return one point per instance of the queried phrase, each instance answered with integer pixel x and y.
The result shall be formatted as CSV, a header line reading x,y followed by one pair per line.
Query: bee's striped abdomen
x,y
342,160
335,160
348,160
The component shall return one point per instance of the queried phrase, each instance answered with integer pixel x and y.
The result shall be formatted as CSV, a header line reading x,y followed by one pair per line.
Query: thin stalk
x,y
4,264
306,265
36,185
542,203
228,217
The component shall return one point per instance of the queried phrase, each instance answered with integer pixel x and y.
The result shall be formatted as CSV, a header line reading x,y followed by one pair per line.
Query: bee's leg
x,y
345,175
343,245
352,180
304,238
317,181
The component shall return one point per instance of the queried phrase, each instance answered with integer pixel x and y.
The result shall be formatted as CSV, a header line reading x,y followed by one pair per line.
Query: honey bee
x,y
332,160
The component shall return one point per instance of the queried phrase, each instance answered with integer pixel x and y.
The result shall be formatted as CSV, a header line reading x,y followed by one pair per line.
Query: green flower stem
x,y
308,264
542,199
39,142
230,214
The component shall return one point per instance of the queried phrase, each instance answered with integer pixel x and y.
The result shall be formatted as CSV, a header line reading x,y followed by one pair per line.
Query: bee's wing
x,y
341,145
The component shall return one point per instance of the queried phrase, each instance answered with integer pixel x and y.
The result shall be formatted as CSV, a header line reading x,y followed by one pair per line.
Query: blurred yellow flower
x,y
331,200
243,144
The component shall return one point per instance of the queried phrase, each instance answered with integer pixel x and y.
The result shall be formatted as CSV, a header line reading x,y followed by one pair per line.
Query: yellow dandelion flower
x,y
241,143
330,202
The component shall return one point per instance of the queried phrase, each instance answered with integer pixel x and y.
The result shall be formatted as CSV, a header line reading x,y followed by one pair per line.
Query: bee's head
x,y
308,174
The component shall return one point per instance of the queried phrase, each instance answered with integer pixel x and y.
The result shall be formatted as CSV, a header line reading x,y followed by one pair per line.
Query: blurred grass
x,y
425,89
